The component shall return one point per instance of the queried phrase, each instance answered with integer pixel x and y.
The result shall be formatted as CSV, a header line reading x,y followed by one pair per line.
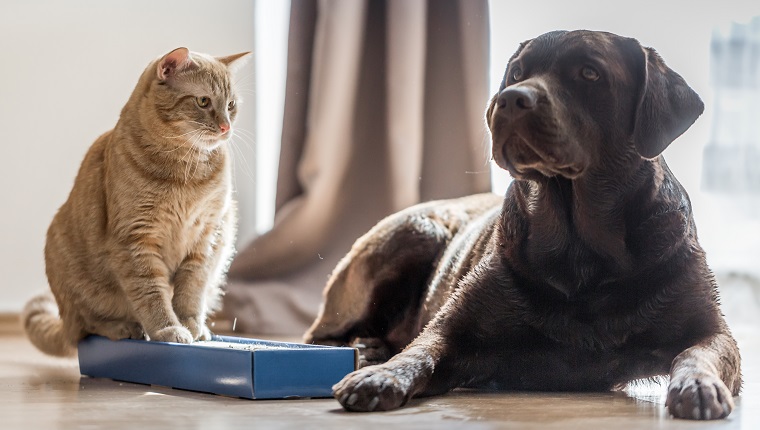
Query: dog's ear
x,y
666,107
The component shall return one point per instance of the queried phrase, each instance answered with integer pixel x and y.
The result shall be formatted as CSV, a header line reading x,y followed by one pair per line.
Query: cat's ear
x,y
236,61
172,63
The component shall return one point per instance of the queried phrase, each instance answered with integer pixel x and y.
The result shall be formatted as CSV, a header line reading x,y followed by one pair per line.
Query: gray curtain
x,y
384,108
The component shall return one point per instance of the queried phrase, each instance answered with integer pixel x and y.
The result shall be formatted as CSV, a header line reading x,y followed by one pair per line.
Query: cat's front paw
x,y
177,334
198,330
204,333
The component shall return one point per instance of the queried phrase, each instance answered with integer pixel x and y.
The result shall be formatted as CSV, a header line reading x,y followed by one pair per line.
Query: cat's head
x,y
194,96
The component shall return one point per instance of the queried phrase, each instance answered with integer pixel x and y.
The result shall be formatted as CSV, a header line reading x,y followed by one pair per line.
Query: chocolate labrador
x,y
586,276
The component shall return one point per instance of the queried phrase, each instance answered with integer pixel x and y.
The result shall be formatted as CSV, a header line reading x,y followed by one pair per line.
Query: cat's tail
x,y
44,327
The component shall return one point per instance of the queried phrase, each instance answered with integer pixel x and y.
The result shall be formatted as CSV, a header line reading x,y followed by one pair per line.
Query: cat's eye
x,y
589,73
231,105
203,101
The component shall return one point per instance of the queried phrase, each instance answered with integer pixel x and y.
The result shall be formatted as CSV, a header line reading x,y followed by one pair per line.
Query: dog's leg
x,y
389,385
442,357
704,379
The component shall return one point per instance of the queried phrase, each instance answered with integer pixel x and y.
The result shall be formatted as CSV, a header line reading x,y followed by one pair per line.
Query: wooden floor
x,y
39,392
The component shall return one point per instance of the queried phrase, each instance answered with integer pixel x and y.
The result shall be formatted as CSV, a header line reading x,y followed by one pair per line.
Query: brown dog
x,y
588,275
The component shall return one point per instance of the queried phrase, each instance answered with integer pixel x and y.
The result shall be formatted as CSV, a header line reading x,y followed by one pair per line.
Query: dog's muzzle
x,y
516,101
526,136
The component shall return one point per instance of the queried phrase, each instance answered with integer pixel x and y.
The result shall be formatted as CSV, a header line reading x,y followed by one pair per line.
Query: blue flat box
x,y
237,367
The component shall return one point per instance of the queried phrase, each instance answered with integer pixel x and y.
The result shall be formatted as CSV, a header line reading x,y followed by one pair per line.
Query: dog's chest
x,y
605,316
551,254
567,268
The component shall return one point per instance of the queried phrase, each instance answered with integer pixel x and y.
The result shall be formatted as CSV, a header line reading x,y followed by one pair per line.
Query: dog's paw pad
x,y
373,404
370,389
699,397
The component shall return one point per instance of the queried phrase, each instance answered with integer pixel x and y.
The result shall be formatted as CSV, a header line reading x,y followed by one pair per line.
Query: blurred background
x,y
67,68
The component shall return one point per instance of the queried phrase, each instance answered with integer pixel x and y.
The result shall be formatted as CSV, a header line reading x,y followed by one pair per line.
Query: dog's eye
x,y
589,73
517,74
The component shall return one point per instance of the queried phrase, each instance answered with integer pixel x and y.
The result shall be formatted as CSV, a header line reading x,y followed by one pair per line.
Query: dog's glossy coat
x,y
588,275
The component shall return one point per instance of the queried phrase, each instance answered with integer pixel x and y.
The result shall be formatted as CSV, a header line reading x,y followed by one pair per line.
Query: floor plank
x,y
40,392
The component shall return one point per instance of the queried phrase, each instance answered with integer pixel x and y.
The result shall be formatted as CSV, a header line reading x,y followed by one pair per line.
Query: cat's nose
x,y
224,127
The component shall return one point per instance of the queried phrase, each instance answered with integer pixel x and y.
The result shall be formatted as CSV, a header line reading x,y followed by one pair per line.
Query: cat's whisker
x,y
244,77
181,135
198,160
190,150
250,92
247,139
245,132
205,126
240,154
243,148
233,159
184,143
250,87
243,137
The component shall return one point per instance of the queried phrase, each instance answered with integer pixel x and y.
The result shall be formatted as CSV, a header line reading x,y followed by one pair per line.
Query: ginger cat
x,y
141,247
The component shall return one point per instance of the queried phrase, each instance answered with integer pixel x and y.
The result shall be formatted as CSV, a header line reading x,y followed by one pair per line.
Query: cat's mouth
x,y
210,140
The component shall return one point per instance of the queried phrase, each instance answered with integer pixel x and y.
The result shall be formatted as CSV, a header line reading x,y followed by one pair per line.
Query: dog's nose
x,y
517,99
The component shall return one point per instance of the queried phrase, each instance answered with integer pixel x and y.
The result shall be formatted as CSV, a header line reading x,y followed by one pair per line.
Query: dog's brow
x,y
586,52
538,56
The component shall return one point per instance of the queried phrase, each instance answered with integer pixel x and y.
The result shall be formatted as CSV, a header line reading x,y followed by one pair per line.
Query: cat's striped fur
x,y
141,246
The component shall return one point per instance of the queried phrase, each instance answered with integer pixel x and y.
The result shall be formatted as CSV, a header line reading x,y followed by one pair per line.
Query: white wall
x,y
680,31
66,69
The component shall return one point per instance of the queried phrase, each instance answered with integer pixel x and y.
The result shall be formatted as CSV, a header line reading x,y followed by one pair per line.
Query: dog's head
x,y
572,101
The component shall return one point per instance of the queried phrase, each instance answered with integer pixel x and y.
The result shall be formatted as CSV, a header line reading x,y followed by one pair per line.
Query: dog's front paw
x,y
700,396
176,334
373,388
